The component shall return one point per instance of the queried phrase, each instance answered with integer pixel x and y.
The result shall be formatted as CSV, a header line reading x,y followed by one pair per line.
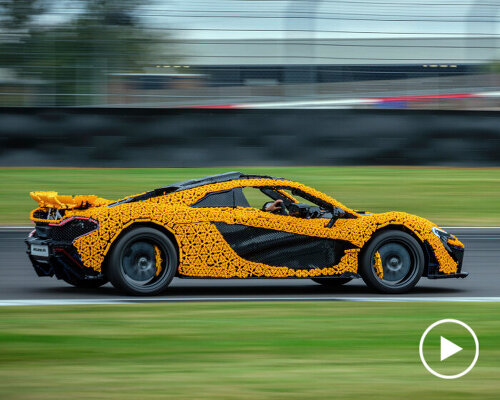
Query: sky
x,y
279,19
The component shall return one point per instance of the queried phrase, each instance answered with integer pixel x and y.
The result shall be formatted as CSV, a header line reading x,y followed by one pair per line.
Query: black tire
x,y
332,282
86,283
402,260
130,267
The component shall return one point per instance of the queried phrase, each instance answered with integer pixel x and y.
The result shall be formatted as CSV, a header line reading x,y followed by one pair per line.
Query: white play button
x,y
448,348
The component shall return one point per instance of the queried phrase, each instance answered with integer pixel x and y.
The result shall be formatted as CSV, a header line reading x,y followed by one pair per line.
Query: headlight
x,y
440,233
443,236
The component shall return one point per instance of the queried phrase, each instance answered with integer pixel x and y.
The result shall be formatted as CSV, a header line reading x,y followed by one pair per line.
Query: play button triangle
x,y
448,348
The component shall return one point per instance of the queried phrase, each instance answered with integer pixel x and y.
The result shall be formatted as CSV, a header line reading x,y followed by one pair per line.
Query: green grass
x,y
302,350
447,196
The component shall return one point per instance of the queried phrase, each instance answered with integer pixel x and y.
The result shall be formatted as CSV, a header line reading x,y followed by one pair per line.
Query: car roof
x,y
192,183
211,179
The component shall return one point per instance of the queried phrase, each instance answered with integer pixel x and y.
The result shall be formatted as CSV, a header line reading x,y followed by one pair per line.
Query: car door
x,y
276,240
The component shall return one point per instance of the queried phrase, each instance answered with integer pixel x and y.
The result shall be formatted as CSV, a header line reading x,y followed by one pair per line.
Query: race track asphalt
x,y
18,280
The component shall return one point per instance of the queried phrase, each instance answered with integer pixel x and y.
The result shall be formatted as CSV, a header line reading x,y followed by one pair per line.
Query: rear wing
x,y
55,200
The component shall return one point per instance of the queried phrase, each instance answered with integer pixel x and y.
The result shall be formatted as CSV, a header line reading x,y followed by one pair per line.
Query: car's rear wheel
x,y
332,282
393,262
143,262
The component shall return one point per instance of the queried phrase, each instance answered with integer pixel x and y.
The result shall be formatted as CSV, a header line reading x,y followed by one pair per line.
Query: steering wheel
x,y
281,211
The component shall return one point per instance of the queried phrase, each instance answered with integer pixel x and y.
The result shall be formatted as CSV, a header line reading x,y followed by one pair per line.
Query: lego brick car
x,y
207,228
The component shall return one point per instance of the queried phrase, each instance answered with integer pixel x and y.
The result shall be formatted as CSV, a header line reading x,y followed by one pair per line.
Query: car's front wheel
x,y
143,262
393,262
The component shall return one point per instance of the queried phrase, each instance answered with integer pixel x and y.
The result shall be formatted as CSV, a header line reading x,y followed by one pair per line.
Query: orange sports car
x,y
233,225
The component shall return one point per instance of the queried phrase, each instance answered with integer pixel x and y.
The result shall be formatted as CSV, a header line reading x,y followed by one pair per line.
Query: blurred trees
x,y
72,46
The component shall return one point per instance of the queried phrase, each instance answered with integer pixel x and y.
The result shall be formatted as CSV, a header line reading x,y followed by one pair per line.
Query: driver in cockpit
x,y
302,210
273,206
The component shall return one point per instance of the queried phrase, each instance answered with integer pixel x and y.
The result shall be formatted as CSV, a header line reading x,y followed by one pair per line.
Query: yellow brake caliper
x,y
377,264
158,260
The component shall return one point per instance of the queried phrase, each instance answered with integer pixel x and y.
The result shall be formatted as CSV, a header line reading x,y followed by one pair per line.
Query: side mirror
x,y
336,214
332,221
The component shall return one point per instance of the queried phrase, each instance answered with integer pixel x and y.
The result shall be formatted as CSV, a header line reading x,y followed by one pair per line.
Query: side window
x,y
307,206
225,198
255,197
299,198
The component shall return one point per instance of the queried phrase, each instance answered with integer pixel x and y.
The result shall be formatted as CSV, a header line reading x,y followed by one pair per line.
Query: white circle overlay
x,y
446,321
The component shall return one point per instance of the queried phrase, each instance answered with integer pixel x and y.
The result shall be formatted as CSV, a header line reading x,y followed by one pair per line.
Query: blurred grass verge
x,y
447,196
270,350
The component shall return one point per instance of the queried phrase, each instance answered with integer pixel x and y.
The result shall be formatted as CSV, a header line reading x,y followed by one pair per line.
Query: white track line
x,y
60,302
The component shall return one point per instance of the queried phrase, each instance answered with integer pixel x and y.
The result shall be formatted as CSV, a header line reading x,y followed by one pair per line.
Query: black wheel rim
x,y
398,262
144,263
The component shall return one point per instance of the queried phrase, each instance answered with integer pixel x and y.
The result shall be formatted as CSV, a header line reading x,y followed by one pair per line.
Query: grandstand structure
x,y
278,61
